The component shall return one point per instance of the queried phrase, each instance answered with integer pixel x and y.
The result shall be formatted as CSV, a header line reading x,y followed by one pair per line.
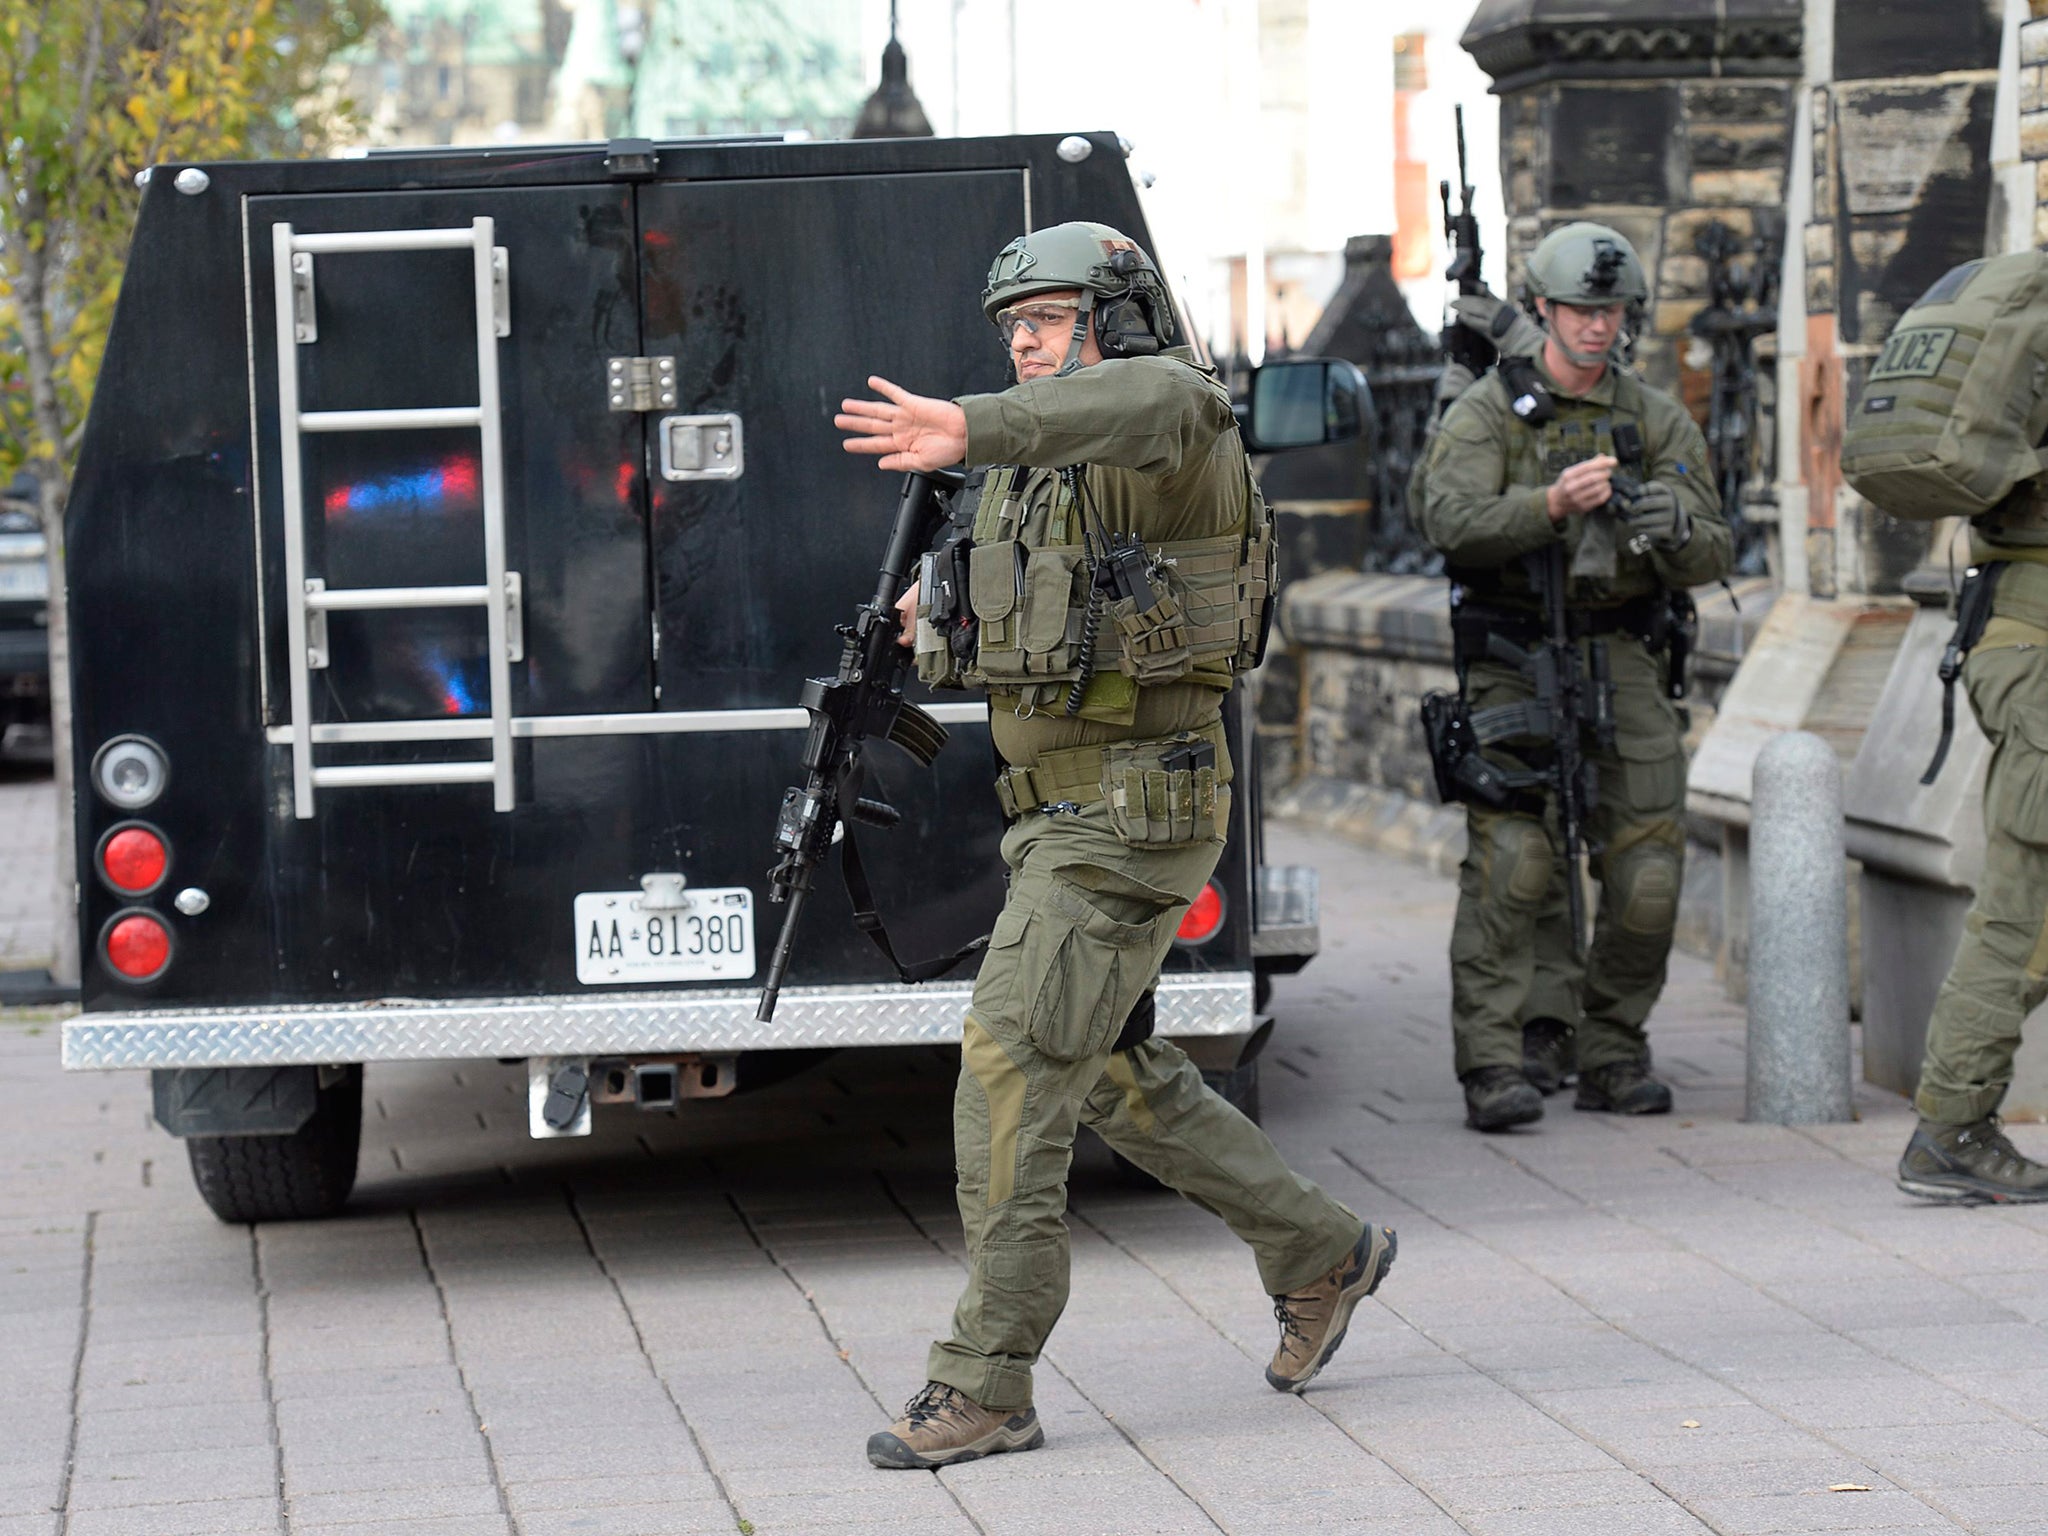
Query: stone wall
x,y
1359,650
1655,116
2032,102
1659,162
1901,192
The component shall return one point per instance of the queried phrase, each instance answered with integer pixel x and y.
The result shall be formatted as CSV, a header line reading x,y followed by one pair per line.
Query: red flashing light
x,y
138,946
1204,920
134,859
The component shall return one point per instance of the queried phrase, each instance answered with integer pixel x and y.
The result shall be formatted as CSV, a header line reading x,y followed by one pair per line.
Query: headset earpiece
x,y
1136,323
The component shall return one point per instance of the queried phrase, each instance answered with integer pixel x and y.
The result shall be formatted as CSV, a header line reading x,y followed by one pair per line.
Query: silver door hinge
x,y
641,383
515,618
304,329
501,291
316,627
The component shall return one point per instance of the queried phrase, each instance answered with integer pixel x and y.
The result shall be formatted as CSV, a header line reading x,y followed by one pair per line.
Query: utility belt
x,y
1665,622
1160,792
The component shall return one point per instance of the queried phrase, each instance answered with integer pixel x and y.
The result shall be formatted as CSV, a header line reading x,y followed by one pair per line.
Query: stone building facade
x,y
1657,117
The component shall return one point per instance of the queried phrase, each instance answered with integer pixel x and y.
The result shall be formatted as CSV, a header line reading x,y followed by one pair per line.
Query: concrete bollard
x,y
1798,936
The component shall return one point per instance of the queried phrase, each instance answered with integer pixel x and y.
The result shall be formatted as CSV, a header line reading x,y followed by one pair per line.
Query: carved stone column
x,y
1654,116
1900,114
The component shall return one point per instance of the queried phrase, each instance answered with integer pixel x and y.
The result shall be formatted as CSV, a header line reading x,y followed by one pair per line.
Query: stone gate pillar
x,y
1654,116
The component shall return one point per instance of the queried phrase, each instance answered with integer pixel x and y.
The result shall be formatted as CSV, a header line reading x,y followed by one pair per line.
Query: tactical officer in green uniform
x,y
1515,470
1114,581
2000,972
1550,1010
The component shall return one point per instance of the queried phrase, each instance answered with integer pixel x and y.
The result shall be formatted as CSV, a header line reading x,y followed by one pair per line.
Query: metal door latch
x,y
641,383
702,447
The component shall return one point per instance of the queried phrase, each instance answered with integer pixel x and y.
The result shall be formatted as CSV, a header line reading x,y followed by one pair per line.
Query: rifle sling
x,y
1973,612
866,916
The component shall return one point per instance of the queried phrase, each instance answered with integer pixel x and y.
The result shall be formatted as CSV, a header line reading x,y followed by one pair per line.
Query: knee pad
x,y
1520,861
1646,882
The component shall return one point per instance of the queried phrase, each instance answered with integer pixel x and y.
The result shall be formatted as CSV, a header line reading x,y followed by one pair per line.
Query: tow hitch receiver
x,y
562,1089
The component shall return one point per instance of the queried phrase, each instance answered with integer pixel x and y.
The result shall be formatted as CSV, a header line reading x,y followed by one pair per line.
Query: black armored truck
x,y
454,534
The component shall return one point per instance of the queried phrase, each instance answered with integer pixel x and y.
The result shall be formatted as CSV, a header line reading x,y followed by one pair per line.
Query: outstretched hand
x,y
908,431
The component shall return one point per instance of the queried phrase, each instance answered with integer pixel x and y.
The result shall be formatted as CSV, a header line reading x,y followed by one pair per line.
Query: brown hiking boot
x,y
1969,1163
942,1425
1313,1321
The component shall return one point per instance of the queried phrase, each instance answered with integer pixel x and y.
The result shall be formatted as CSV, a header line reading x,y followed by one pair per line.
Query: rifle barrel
x,y
785,946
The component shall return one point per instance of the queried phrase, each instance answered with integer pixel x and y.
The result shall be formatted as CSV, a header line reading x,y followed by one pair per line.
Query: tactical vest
x,y
1036,634
1579,431
1536,456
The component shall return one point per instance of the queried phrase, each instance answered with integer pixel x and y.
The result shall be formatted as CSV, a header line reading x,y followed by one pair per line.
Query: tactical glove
x,y
1652,517
1509,328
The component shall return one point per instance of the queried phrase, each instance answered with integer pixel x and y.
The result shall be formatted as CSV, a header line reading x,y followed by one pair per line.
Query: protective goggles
x,y
1036,317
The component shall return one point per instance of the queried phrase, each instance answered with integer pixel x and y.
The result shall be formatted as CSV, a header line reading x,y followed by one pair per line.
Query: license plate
x,y
30,581
709,938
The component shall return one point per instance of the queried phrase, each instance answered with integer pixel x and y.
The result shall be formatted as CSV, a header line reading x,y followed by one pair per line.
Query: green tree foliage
x,y
92,92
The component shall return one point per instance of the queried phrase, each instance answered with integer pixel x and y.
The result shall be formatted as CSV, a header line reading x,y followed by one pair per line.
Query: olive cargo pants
x,y
1511,891
2000,972
1084,930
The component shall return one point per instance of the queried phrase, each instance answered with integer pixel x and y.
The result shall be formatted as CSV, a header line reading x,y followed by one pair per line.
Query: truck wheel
x,y
1238,1087
284,1178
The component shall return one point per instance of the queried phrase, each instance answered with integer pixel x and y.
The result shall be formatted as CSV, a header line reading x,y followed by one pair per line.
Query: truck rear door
x,y
660,619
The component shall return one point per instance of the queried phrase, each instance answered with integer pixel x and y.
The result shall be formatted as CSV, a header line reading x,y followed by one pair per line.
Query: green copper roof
x,y
749,66
500,31
701,66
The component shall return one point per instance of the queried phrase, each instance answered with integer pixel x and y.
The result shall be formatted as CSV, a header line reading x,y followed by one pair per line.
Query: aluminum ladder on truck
x,y
308,600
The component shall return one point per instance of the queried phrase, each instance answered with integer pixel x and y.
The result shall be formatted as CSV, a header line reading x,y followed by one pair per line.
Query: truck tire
x,y
304,1174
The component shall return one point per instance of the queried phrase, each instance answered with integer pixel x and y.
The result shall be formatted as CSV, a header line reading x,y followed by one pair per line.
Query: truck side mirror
x,y
1305,402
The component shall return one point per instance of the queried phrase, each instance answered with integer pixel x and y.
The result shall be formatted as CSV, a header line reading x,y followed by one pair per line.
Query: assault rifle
x,y
1567,700
1571,694
864,700
1461,344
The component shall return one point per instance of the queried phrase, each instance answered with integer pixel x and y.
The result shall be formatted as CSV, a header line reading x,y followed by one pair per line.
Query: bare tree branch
x,y
88,76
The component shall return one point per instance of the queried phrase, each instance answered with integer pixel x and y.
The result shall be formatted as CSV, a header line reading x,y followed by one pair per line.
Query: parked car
x,y
24,623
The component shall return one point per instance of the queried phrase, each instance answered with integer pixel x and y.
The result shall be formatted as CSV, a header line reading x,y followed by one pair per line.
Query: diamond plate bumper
x,y
610,1025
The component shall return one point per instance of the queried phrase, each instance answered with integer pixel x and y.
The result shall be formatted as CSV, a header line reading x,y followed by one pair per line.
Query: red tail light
x,y
1204,920
138,946
133,859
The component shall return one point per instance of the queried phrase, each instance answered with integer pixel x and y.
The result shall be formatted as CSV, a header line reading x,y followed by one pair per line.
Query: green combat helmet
x,y
1118,283
1586,264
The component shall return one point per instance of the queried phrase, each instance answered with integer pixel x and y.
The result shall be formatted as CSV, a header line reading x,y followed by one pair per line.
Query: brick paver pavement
x,y
1597,1328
